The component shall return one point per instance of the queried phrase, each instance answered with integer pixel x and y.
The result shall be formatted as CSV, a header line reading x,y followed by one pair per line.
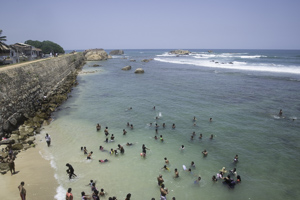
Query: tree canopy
x,y
2,38
46,46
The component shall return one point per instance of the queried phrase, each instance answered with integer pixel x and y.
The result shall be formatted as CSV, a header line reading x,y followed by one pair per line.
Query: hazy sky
x,y
154,24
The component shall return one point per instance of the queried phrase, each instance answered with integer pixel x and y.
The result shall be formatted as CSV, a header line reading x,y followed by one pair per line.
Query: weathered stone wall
x,y
23,87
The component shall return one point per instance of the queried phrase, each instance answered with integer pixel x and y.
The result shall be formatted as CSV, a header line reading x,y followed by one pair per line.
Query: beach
x,y
244,106
35,171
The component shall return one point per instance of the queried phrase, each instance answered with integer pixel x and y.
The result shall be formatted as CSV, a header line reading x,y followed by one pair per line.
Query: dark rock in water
x,y
127,68
145,60
132,60
96,65
116,52
139,71
180,52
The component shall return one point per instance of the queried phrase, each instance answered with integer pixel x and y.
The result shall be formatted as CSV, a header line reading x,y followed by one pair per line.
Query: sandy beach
x,y
37,174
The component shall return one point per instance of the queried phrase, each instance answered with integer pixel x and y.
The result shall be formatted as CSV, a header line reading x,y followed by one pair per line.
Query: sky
x,y
154,24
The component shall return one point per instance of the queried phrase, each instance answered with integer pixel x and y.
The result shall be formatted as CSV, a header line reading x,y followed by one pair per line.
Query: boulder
x,y
8,141
30,140
3,155
139,71
116,52
26,146
180,52
127,68
4,168
17,146
14,137
145,60
95,55
109,57
132,60
96,65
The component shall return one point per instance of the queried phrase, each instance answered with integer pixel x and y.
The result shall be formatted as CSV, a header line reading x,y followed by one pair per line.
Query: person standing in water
x,y
70,171
98,127
69,195
48,139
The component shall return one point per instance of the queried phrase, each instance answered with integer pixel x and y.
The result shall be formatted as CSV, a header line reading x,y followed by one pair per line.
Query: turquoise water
x,y
243,99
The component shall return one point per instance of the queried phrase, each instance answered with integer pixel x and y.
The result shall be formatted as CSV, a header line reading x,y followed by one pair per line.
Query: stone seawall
x,y
31,91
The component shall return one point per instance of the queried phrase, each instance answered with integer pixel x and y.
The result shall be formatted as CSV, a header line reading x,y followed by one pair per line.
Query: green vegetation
x,y
46,46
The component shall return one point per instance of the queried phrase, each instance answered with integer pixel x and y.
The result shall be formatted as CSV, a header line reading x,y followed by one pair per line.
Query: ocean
x,y
241,90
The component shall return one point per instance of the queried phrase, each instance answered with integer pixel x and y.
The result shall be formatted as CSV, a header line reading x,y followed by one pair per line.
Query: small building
x,y
24,52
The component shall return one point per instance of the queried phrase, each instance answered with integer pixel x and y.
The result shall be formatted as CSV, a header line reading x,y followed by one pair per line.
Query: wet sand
x,y
37,174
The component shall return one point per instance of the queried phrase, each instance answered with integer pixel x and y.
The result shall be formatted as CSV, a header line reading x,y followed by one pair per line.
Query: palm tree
x,y
2,38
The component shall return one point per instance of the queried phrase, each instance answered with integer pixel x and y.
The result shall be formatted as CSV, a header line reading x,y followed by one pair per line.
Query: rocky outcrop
x,y
139,71
116,52
132,60
180,52
145,60
95,55
127,68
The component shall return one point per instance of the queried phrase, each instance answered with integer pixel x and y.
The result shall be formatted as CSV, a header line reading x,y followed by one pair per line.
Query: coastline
x,y
35,171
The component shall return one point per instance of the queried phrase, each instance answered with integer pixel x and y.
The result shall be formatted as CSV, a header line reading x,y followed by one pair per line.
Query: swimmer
x,y
236,158
127,123
280,112
164,125
90,183
124,132
160,180
166,161
173,126
102,193
182,147
106,140
131,126
238,180
81,148
204,153
211,136
121,149
103,161
85,150
219,175
194,133
192,137
214,178
98,127
90,155
154,108
193,164
116,152
195,124
233,171
156,125
223,170
210,119
144,148
156,130
161,138
165,168
101,148
198,180
112,138
200,136
112,151
194,119
176,173
106,131
155,137
129,144
150,124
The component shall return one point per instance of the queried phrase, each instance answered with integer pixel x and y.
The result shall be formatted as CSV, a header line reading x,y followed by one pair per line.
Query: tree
x,y
46,46
2,38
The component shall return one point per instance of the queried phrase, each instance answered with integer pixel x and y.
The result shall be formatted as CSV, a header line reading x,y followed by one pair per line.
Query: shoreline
x,y
35,171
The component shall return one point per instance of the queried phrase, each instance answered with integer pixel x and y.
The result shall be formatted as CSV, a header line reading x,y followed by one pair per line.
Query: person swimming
x,y
165,168
112,138
204,153
193,164
129,144
112,151
85,151
173,126
236,158
164,125
124,132
200,136
233,171
155,137
194,119
103,161
98,127
198,180
166,160
90,155
182,147
176,173
161,138
131,126
211,136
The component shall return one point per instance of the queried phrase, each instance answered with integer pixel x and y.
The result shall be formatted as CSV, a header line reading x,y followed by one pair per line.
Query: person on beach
x,y
98,127
173,126
11,165
163,192
48,139
176,173
124,132
160,180
90,155
204,153
166,161
70,171
84,196
69,195
22,191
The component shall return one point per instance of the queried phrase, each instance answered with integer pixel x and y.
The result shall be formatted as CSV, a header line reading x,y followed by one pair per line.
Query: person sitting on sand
x,y
204,153
98,127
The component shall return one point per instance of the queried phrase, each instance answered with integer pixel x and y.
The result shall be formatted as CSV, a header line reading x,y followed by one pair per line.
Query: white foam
x,y
60,193
235,66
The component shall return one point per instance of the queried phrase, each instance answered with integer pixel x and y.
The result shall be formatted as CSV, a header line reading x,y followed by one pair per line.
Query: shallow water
x,y
244,105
